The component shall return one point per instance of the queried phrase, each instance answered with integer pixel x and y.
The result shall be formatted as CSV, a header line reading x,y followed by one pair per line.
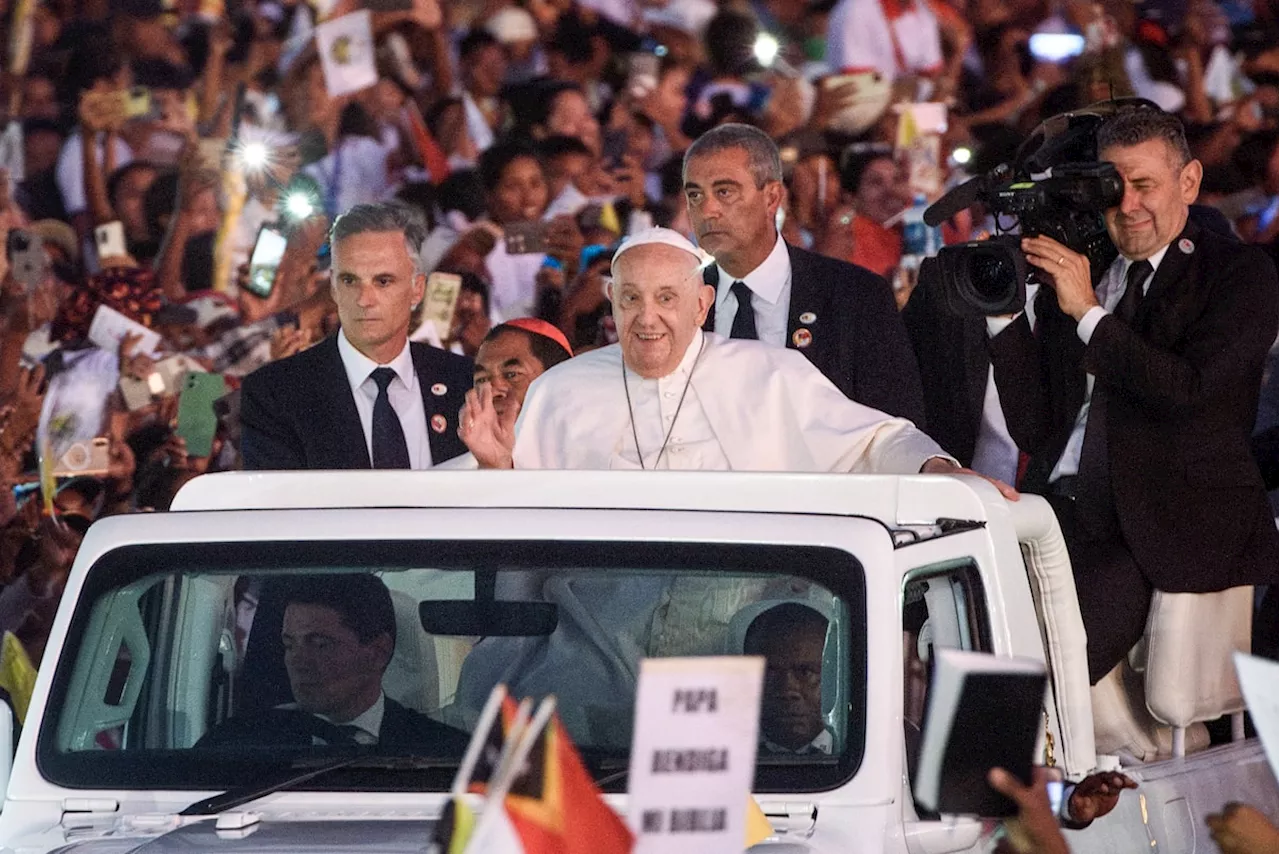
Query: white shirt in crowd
x,y
513,292
860,37
359,167
406,399
749,407
69,173
770,285
1109,292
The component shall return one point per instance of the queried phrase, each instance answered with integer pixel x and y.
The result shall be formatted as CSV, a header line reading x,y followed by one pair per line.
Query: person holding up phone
x,y
516,195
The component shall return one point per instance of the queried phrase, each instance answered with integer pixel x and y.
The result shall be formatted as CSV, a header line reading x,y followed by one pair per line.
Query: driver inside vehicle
x,y
791,637
338,637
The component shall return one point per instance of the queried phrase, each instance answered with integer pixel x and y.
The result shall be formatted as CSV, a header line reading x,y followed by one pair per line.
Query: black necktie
x,y
1128,306
744,322
1095,508
389,448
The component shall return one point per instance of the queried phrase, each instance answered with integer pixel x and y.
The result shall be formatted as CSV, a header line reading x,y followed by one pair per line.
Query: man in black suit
x,y
1136,401
338,636
842,317
365,397
961,402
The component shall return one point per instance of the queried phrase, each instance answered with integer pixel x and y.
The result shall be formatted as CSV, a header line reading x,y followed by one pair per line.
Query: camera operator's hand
x,y
1068,274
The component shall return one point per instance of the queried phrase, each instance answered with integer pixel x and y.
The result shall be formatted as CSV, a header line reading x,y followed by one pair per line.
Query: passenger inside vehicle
x,y
338,638
791,637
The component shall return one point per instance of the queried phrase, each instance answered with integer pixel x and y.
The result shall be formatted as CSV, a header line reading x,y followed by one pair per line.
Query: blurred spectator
x,y
879,190
892,37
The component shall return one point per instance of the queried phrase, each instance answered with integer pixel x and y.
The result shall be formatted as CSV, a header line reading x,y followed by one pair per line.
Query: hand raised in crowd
x,y
565,241
628,179
1035,829
1097,795
1241,829
101,110
289,341
24,405
1068,274
490,437
136,365
830,100
121,462
58,547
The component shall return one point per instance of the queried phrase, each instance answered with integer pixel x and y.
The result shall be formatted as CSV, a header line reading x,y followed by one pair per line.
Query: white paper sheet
x,y
1260,684
346,53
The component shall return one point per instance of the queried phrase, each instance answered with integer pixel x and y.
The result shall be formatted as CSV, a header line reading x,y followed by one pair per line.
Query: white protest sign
x,y
1261,692
693,754
109,326
345,46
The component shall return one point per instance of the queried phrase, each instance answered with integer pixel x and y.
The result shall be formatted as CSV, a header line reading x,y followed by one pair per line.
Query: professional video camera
x,y
1056,188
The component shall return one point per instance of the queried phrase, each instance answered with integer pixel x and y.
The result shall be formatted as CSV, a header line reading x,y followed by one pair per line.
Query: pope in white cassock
x,y
670,396
667,396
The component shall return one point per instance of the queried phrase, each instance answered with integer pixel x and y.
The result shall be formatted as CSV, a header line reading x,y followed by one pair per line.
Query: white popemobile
x,y
157,642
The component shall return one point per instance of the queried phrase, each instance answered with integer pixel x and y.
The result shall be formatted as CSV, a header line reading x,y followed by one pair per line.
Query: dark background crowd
x,y
488,114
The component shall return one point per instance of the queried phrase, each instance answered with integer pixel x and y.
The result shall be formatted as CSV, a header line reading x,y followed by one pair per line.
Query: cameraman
x,y
1136,400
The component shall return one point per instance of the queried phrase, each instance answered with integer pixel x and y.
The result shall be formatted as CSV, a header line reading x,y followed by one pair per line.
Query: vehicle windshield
x,y
198,666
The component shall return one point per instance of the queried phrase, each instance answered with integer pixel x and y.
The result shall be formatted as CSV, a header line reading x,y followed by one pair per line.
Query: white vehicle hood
x,y
275,837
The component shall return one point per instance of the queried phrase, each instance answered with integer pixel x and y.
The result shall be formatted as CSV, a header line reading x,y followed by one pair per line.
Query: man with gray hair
x,y
365,397
1135,399
843,318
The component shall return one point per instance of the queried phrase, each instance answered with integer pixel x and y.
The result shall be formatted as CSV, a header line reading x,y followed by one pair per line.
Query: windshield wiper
x,y
241,795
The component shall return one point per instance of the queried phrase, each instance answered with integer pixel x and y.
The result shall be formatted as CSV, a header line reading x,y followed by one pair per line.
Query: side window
x,y
943,607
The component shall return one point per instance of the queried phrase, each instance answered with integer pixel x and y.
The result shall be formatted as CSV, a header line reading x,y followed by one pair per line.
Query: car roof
x,y
896,501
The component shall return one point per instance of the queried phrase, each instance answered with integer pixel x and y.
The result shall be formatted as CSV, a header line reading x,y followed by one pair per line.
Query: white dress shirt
x,y
1109,292
770,285
406,399
514,290
658,412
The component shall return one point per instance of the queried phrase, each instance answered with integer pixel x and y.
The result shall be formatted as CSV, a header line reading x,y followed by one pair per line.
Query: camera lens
x,y
992,277
20,243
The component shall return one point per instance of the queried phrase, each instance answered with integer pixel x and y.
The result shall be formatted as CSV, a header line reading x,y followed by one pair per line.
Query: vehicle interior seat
x,y
1186,658
413,676
1153,704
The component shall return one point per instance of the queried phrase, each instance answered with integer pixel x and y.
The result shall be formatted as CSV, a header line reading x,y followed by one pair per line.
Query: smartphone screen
x,y
197,422
109,239
525,237
1056,47
265,260
138,103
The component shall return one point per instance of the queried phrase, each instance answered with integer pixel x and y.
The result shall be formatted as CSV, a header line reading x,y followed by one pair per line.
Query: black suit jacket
x,y
401,728
858,340
299,412
1182,392
951,352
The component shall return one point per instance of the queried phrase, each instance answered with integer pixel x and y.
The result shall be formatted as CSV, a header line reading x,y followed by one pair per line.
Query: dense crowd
x,y
529,136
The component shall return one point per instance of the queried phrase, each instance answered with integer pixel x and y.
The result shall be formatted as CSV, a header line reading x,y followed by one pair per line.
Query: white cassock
x,y
749,407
